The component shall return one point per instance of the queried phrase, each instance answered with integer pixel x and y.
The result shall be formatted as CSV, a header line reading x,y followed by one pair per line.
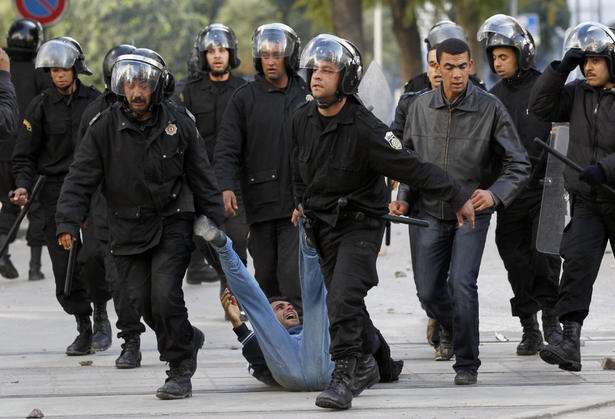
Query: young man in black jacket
x,y
533,276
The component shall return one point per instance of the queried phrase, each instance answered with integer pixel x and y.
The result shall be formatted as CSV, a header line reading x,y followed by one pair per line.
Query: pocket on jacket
x,y
263,187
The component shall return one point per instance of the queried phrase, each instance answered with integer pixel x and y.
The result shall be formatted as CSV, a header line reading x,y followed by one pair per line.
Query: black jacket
x,y
349,157
254,147
591,113
473,140
8,111
515,95
207,101
48,135
149,171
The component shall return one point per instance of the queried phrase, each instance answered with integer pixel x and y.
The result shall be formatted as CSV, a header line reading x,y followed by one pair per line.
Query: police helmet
x,y
278,39
443,30
62,52
595,40
111,57
505,31
25,35
218,35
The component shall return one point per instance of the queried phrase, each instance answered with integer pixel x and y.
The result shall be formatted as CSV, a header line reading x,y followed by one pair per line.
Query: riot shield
x,y
375,93
554,206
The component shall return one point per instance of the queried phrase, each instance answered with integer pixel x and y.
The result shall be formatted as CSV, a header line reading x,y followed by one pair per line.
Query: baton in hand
x,y
343,201
70,269
22,214
564,159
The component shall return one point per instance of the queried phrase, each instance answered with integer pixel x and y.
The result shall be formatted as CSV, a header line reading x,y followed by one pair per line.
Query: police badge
x,y
171,129
393,140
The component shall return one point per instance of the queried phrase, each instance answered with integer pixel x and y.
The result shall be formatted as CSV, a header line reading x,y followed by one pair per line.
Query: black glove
x,y
593,175
573,58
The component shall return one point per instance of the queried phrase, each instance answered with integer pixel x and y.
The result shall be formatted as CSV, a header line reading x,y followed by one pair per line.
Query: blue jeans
x,y
446,263
299,361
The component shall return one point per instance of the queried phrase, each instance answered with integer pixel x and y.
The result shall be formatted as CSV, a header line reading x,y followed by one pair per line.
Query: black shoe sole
x,y
465,382
168,396
552,358
91,351
528,353
129,366
327,403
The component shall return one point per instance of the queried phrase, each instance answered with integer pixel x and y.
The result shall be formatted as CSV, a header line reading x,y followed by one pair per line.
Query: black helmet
x,y
340,52
594,39
26,35
443,30
505,31
284,39
110,58
145,65
218,35
62,52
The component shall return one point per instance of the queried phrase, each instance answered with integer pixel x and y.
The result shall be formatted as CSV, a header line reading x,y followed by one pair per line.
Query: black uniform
x,y
155,176
207,100
534,276
8,109
45,146
346,157
592,141
253,148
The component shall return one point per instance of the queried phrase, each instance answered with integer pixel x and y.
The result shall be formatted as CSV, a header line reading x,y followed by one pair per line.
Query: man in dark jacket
x,y
588,106
23,40
155,176
206,96
253,148
533,276
469,134
45,146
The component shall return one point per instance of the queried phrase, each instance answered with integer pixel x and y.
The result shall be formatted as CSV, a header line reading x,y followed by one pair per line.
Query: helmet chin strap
x,y
324,103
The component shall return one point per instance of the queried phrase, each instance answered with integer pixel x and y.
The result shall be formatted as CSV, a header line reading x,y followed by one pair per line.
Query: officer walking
x,y
150,159
206,97
587,105
47,139
24,38
340,154
533,276
253,148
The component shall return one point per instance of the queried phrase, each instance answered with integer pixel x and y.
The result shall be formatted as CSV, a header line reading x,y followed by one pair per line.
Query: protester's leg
x,y
263,248
288,262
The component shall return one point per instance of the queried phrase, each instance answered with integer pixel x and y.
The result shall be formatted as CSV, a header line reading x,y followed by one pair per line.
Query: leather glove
x,y
593,175
573,58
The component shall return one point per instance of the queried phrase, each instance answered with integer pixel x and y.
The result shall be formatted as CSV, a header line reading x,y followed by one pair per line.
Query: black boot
x,y
531,341
551,327
178,384
366,375
338,394
82,345
444,351
35,274
198,271
567,353
131,354
7,269
388,368
101,341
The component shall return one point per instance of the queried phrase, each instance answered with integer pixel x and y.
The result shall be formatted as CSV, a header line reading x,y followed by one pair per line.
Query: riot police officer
x,y
150,159
23,40
206,96
253,148
45,146
587,105
340,153
533,276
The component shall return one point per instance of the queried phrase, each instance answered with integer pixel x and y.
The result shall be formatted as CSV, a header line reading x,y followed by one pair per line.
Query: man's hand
x,y
20,197
297,213
231,308
398,208
394,184
574,57
466,213
66,240
593,175
482,200
230,203
5,61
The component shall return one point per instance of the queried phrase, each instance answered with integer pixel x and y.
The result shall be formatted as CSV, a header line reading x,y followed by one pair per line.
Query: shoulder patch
x,y
393,140
94,119
27,125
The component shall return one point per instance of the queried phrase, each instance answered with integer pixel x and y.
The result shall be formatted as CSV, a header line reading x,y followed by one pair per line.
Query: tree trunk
x,y
408,38
348,21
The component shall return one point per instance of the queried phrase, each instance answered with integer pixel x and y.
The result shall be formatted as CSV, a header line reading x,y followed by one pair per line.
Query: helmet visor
x,y
325,51
590,37
502,25
132,74
215,38
442,32
271,40
56,54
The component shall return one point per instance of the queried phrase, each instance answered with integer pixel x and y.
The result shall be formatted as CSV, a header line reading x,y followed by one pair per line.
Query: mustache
x,y
138,99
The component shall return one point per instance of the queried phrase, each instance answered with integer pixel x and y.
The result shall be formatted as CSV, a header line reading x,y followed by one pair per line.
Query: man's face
x,y
455,71
325,79
62,77
504,62
217,60
435,78
138,94
272,60
285,313
596,71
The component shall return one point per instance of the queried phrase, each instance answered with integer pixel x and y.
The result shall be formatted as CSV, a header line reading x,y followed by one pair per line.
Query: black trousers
x,y
533,276
274,246
91,261
150,285
348,254
78,302
585,238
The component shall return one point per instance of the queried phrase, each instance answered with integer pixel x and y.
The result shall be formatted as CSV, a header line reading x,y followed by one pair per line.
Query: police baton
x,y
70,269
564,159
22,213
342,202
